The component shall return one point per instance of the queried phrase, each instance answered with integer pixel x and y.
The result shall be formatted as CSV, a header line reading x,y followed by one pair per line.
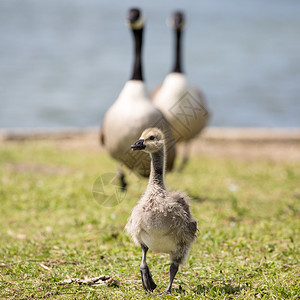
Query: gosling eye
x,y
151,138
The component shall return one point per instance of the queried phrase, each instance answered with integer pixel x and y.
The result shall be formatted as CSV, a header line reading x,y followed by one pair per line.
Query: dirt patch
x,y
243,143
248,150
249,143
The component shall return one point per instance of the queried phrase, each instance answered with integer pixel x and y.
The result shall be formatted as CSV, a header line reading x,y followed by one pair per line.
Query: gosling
x,y
161,221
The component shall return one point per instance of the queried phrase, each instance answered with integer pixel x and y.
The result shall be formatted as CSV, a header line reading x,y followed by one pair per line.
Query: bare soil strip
x,y
276,144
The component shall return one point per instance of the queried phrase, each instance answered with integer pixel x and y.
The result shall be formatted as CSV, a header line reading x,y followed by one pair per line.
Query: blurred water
x,y
64,62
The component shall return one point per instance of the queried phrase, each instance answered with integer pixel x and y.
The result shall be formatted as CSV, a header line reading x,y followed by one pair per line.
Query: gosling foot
x,y
148,283
165,292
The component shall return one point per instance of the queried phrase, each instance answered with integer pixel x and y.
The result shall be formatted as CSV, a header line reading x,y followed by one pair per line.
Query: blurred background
x,y
64,62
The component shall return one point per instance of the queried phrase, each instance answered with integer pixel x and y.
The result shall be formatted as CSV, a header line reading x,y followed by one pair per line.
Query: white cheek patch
x,y
139,24
171,24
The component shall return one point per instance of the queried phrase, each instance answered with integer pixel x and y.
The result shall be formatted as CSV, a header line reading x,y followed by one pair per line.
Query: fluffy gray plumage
x,y
161,221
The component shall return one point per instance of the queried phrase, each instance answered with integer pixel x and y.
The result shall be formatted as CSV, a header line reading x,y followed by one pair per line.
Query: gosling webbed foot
x,y
148,283
165,292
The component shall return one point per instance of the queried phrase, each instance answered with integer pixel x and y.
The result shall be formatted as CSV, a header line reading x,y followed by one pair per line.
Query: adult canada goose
x,y
132,112
183,105
161,221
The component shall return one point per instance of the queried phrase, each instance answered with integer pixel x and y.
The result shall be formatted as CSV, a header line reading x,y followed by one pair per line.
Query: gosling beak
x,y
138,145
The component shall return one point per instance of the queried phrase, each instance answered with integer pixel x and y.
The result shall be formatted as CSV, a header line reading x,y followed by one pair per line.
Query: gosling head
x,y
177,21
135,19
152,140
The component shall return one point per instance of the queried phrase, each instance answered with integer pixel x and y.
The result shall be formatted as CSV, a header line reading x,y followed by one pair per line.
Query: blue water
x,y
64,62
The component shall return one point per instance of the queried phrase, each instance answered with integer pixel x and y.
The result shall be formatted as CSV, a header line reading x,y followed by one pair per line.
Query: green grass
x,y
248,215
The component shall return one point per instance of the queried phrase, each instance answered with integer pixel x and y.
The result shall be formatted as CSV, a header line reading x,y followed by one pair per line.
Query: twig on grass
x,y
94,281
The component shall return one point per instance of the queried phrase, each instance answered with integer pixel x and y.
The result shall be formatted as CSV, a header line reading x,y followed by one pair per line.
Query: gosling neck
x,y
177,65
157,174
137,73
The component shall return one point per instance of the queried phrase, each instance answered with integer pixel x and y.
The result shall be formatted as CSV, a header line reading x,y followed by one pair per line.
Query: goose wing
x,y
185,223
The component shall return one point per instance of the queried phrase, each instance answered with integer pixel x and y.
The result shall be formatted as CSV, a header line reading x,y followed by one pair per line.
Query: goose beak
x,y
133,15
177,23
138,145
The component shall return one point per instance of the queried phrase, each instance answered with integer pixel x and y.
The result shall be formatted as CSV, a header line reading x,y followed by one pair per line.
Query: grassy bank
x,y
52,227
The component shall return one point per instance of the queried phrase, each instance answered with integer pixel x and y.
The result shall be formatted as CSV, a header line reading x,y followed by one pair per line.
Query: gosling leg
x,y
173,271
148,283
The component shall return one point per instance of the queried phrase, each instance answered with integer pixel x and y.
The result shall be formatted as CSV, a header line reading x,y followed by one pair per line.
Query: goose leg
x,y
148,283
185,157
121,177
173,271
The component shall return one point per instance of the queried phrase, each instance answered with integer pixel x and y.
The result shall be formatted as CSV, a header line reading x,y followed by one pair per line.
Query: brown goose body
x,y
134,111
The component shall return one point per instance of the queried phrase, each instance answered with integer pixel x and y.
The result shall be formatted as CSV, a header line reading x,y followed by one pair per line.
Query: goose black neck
x,y
177,66
137,73
157,174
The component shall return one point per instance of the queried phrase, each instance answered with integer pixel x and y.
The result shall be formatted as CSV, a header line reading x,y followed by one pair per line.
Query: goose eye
x,y
151,137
